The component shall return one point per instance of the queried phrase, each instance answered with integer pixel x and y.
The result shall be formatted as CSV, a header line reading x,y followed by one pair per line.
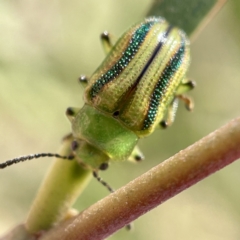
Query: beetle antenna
x,y
110,189
105,184
33,156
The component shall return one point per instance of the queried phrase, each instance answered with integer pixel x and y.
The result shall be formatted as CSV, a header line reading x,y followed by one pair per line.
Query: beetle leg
x,y
187,101
83,80
171,113
136,155
185,86
71,113
106,42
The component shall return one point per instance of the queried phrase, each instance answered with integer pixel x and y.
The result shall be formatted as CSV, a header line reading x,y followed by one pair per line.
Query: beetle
x,y
135,90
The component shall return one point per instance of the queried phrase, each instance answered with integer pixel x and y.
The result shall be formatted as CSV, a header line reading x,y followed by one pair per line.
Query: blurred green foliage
x,y
173,10
45,46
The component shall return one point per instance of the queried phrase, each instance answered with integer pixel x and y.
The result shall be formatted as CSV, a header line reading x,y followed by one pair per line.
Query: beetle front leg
x,y
106,42
72,113
136,155
83,80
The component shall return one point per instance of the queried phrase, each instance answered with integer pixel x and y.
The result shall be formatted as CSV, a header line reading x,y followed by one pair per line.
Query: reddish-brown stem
x,y
164,181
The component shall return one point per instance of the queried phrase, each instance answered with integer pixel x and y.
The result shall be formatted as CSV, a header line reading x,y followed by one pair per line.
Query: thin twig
x,y
164,181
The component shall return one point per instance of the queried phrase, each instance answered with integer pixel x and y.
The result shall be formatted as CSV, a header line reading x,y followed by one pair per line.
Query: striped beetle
x,y
137,85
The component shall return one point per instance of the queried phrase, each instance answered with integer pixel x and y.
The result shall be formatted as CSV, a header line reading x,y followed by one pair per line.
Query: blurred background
x,y
46,45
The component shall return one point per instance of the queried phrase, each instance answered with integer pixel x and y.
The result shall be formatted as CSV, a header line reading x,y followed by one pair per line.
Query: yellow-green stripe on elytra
x,y
139,77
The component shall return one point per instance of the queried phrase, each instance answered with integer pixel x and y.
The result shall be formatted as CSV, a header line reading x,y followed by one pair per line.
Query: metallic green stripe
x,y
132,49
162,85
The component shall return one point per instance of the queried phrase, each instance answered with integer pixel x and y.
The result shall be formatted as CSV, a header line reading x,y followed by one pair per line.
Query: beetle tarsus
x,y
187,101
83,80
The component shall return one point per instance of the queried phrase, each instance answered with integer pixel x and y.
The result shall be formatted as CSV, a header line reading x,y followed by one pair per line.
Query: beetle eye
x,y
75,145
104,166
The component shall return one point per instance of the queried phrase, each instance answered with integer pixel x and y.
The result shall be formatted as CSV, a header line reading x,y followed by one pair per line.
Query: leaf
x,y
188,15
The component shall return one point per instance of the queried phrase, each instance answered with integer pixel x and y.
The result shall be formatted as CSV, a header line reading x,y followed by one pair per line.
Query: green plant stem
x,y
164,181
63,184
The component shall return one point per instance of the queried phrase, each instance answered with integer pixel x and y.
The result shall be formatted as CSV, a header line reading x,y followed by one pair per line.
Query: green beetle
x,y
139,82
129,95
